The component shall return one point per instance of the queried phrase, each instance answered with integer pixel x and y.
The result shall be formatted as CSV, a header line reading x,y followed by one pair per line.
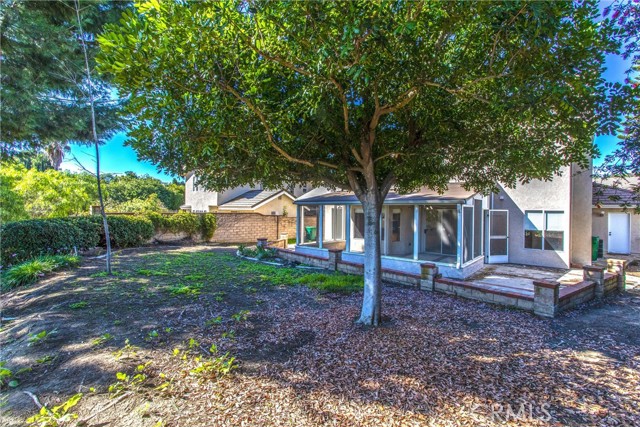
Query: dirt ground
x,y
301,360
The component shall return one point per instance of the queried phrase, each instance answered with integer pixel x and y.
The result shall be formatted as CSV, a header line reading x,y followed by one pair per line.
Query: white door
x,y
497,232
618,239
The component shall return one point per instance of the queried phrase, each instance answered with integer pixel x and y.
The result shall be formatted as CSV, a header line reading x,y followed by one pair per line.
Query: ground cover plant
x,y
261,345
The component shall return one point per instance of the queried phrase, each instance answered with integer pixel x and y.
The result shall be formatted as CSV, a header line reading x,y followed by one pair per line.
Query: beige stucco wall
x,y
277,205
552,195
200,201
600,221
581,226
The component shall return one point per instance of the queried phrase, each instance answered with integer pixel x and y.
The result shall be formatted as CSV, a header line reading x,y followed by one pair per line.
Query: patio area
x,y
518,279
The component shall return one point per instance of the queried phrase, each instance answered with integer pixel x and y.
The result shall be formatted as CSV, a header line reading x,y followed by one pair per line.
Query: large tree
x,y
45,100
362,95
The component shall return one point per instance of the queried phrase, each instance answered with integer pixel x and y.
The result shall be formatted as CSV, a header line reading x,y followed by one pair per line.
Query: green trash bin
x,y
594,247
311,233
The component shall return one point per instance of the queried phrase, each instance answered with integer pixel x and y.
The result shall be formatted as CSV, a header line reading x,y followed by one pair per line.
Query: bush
x,y
127,231
185,222
30,271
23,240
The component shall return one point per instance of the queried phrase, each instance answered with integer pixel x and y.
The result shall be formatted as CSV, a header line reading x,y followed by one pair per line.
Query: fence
x,y
237,227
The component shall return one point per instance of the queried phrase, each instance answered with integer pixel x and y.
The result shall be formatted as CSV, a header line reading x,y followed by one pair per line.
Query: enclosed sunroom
x,y
444,229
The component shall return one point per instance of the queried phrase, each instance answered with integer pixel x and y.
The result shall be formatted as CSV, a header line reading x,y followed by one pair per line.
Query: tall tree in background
x,y
44,94
624,162
363,95
88,83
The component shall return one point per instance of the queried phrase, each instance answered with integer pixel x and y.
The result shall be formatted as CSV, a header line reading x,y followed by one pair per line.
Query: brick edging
x,y
469,285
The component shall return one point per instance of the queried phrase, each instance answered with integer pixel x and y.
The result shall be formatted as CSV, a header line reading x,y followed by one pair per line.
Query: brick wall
x,y
248,227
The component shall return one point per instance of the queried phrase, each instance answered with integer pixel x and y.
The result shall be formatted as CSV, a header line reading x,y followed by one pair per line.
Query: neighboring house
x,y
252,199
615,219
542,223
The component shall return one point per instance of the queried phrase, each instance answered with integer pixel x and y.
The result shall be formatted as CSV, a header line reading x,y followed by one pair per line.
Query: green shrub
x,y
185,222
128,231
23,240
30,271
90,230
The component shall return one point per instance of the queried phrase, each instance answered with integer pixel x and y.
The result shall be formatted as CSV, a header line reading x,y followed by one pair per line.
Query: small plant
x,y
117,322
240,316
215,321
194,277
126,382
219,296
78,305
231,334
128,350
6,375
58,415
250,290
205,368
152,335
40,337
46,359
101,339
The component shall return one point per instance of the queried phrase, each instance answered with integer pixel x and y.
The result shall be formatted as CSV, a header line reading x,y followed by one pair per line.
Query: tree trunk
x,y
95,135
371,304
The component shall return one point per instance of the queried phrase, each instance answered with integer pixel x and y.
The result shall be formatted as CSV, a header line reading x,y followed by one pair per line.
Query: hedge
x,y
23,240
185,222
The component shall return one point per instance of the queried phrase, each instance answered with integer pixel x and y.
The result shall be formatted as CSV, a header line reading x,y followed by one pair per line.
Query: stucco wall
x,y
601,227
277,206
200,200
581,226
554,195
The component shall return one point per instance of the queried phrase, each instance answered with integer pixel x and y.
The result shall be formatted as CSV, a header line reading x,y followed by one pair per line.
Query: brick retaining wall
x,y
547,300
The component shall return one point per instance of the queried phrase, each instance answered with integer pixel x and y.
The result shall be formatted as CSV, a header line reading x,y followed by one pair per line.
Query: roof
x,y
614,197
455,193
253,199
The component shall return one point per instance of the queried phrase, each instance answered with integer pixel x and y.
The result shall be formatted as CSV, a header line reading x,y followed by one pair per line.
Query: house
x,y
541,223
615,219
242,199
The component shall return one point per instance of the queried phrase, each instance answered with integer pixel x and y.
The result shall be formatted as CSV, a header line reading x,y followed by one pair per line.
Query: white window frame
x,y
544,229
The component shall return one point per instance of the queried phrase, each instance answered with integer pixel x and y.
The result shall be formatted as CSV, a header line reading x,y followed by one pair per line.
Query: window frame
x,y
544,245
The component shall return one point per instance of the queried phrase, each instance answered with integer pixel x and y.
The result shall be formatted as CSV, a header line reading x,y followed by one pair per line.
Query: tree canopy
x,y
363,95
44,90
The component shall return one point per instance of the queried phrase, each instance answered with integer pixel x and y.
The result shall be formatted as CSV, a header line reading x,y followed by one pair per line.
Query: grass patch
x,y
30,271
180,289
78,305
145,272
337,283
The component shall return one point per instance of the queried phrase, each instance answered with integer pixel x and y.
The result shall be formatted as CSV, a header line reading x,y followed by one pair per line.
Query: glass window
x,y
467,233
395,226
544,230
533,221
309,224
477,228
553,232
358,224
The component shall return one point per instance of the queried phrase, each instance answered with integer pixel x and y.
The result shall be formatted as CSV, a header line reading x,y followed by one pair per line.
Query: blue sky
x,y
115,157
